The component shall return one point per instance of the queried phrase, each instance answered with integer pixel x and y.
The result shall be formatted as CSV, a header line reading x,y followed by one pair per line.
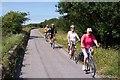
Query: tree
x,y
103,18
12,21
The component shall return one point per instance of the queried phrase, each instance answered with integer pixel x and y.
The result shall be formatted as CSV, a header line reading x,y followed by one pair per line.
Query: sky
x,y
30,0
39,11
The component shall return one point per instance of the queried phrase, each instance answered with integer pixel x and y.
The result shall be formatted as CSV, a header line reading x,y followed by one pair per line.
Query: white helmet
x,y
72,26
52,24
89,29
46,25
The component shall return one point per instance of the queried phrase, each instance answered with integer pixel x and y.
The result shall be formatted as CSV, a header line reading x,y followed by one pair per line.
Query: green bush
x,y
9,42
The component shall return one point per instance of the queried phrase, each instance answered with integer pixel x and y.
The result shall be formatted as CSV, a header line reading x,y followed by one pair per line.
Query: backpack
x,y
55,31
81,56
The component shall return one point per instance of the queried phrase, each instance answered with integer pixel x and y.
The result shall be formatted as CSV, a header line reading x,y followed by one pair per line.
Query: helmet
x,y
46,25
72,26
89,29
52,24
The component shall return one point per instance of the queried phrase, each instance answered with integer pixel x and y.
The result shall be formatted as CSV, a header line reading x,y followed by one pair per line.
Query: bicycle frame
x,y
73,50
53,42
46,36
91,63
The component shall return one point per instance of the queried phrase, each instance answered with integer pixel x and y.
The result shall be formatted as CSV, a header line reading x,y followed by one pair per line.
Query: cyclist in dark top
x,y
53,31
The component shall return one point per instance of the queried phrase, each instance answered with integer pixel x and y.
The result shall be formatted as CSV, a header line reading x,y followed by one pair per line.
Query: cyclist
x,y
46,30
53,31
49,30
71,36
87,42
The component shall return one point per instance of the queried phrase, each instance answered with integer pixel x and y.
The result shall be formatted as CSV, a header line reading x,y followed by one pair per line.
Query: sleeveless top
x,y
72,36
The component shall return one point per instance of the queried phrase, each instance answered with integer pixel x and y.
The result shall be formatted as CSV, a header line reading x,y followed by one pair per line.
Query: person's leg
x,y
75,46
85,58
70,48
44,34
51,38
48,35
54,38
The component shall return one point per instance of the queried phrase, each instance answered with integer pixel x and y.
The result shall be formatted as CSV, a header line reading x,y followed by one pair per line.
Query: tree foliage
x,y
103,18
12,22
49,22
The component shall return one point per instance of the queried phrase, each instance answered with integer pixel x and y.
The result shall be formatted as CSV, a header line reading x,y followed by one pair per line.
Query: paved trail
x,y
41,61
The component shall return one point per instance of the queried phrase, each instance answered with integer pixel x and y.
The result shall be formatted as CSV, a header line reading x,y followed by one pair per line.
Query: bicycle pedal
x,y
86,72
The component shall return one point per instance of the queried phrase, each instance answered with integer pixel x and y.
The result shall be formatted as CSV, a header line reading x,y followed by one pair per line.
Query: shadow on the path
x,y
57,47
33,37
19,62
21,52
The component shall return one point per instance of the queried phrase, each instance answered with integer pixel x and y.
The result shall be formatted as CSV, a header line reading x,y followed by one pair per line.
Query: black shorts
x,y
52,35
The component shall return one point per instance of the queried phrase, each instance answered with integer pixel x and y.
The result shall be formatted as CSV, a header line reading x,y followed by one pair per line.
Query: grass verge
x,y
9,42
18,41
107,62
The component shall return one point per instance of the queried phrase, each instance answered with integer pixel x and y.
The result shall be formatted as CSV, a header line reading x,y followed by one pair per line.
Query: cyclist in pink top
x,y
87,42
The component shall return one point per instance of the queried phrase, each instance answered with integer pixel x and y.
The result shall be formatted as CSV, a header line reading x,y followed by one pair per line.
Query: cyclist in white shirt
x,y
71,36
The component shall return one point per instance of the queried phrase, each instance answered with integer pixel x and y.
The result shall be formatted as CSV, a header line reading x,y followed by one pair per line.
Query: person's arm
x,y
68,36
95,41
82,41
77,37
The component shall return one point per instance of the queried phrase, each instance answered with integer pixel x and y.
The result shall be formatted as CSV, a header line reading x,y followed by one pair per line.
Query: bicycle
x,y
53,42
68,47
90,63
46,36
73,50
80,57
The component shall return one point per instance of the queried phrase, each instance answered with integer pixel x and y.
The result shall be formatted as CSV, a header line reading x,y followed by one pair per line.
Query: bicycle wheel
x,y
68,49
87,67
92,68
46,38
77,58
74,56
53,44
71,55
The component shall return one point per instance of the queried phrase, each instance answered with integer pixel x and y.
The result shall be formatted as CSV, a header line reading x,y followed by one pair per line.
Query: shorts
x,y
73,44
52,35
85,52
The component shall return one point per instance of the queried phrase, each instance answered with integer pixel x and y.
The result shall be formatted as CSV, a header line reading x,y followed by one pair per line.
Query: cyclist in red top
x,y
87,42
